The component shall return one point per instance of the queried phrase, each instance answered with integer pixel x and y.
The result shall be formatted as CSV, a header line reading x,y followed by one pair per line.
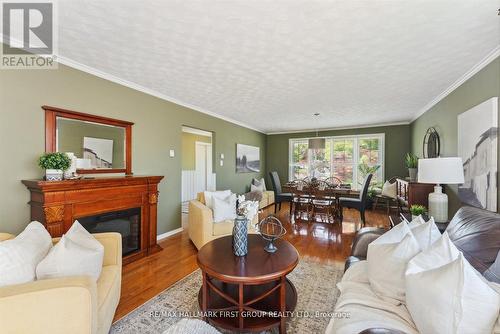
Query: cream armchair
x,y
202,228
75,305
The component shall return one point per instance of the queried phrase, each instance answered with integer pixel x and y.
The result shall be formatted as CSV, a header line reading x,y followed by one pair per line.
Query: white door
x,y
203,170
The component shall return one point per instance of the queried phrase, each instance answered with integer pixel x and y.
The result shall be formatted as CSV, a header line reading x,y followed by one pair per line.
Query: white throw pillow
x,y
224,208
20,256
259,188
441,252
389,189
416,221
77,253
426,233
387,259
258,182
450,298
209,196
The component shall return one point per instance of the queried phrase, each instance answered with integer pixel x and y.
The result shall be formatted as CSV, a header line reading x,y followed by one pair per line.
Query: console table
x,y
57,204
235,287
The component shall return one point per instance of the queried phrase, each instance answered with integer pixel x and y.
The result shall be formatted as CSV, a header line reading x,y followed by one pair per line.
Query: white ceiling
x,y
271,64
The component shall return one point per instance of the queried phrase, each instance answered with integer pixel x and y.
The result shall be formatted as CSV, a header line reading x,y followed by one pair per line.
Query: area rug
x,y
316,289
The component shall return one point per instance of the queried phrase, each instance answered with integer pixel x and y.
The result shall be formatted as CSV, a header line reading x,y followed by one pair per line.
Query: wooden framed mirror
x,y
101,144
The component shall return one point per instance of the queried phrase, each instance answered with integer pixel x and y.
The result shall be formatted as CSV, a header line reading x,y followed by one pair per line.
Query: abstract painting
x,y
477,146
247,159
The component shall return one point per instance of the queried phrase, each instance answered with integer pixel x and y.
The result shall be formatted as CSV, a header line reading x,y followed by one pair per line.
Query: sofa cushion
x,y
209,195
357,272
367,310
77,253
224,208
387,259
20,256
261,182
426,234
259,188
223,227
445,294
226,227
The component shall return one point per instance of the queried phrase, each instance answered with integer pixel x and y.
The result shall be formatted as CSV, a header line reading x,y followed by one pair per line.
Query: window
x,y
350,158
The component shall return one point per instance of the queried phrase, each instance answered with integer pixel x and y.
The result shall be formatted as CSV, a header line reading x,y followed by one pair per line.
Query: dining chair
x,y
333,181
301,199
358,203
321,202
279,195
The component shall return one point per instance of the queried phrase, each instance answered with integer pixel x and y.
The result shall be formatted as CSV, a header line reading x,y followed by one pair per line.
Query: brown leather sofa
x,y
475,232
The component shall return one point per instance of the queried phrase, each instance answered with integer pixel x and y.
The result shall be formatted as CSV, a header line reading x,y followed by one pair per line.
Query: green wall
x,y
157,129
443,116
189,149
70,135
397,143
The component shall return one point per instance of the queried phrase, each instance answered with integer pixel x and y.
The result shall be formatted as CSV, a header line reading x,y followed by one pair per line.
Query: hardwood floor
x,y
326,243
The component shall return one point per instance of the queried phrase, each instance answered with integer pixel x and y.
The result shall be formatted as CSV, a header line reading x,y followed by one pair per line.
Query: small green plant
x,y
411,160
55,160
417,210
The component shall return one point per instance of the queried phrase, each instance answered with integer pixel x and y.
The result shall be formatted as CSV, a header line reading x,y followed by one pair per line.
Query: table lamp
x,y
440,171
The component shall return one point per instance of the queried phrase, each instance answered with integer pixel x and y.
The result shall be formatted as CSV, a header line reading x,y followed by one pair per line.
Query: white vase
x,y
54,174
71,171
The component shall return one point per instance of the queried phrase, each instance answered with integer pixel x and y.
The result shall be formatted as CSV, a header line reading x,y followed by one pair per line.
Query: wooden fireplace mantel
x,y
57,204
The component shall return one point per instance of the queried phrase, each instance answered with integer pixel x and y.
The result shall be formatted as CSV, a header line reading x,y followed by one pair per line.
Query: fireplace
x,y
123,204
126,222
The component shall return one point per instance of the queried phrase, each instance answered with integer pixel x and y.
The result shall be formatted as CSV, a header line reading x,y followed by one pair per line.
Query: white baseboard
x,y
168,234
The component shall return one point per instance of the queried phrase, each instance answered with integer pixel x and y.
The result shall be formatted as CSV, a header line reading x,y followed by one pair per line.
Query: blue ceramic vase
x,y
240,236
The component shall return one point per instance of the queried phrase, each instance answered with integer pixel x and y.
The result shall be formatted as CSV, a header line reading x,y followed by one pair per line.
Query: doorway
x,y
197,165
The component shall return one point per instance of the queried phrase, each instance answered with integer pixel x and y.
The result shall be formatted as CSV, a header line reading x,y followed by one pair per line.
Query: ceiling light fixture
x,y
317,143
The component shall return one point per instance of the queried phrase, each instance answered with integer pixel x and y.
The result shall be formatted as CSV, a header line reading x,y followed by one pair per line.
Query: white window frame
x,y
356,138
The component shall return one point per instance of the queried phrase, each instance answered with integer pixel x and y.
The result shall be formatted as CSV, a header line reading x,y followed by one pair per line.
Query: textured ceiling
x,y
272,64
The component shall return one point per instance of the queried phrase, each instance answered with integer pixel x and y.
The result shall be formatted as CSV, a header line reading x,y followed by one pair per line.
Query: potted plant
x,y
417,210
411,162
54,164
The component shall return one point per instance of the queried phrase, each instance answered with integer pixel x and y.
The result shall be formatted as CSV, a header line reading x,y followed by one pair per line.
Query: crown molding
x,y
339,128
104,75
195,131
494,54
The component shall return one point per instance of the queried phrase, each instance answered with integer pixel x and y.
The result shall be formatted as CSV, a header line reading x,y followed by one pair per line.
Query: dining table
x,y
330,191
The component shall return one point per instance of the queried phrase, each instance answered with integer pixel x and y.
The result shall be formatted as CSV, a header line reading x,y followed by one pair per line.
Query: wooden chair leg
x,y
275,207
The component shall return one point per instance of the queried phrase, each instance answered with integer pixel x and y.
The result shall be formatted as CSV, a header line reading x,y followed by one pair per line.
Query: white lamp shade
x,y
317,144
441,171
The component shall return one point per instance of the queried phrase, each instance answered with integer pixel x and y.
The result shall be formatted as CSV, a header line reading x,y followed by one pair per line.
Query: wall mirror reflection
x,y
99,144
96,146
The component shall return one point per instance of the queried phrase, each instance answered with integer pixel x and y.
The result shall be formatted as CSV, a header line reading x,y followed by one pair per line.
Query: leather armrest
x,y
363,238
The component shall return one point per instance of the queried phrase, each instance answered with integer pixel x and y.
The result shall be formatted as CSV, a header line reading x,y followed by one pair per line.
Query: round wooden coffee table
x,y
248,293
